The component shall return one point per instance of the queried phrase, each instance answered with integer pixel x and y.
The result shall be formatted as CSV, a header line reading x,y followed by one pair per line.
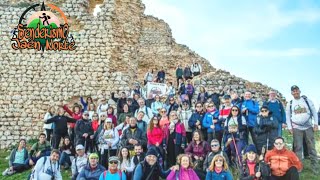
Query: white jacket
x,y
107,136
46,117
78,163
46,171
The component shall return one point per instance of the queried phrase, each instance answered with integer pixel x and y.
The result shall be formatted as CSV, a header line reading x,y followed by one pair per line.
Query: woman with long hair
x,y
155,137
110,114
126,163
67,150
49,127
219,169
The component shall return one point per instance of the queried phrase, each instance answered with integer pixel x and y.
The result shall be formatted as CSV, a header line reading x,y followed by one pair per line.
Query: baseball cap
x,y
113,158
294,87
79,147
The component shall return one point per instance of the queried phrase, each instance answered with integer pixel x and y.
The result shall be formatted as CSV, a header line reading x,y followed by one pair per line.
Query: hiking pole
x,y
223,142
85,144
235,146
263,151
267,142
108,152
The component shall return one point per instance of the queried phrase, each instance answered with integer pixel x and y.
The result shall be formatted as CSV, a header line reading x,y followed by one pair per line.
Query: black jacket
x,y
135,134
265,130
264,169
60,124
83,126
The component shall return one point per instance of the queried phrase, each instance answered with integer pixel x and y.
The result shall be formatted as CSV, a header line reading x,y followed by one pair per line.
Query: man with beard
x,y
84,130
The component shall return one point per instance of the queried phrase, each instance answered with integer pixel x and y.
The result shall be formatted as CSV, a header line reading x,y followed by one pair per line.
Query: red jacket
x,y
73,115
281,161
155,136
95,125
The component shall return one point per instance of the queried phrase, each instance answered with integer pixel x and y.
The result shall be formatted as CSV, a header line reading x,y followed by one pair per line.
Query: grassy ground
x,y
305,175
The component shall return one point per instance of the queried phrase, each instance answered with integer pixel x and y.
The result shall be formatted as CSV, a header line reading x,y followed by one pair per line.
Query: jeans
x,y
64,158
19,167
308,136
291,174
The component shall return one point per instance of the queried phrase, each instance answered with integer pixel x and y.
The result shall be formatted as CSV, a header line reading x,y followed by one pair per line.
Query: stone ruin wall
x,y
114,49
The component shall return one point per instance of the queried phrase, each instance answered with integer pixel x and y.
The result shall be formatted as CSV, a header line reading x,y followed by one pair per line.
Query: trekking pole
x,y
235,146
85,144
267,141
263,151
223,142
108,152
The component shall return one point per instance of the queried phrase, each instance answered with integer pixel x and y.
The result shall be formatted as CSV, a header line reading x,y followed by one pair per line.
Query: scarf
x,y
251,166
172,125
217,170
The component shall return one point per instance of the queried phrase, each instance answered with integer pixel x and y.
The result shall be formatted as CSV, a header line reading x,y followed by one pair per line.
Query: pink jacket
x,y
155,136
185,174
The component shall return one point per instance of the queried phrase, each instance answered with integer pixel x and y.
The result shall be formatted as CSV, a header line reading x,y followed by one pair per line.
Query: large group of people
x,y
173,137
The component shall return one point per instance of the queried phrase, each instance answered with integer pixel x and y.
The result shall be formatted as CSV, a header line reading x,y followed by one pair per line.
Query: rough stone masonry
x,y
114,49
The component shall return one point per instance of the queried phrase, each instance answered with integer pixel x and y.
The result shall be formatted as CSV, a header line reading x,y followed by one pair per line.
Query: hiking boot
x,y
5,172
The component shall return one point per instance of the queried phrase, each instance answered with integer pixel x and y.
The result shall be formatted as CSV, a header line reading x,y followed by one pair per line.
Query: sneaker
x,y
5,172
11,172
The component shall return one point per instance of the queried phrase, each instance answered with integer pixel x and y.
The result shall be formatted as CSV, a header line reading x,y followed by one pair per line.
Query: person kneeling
x,y
284,163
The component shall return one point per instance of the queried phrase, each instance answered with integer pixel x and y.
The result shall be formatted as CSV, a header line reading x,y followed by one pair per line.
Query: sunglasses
x,y
278,143
199,106
235,110
86,114
113,162
264,110
171,99
219,160
214,145
163,111
210,106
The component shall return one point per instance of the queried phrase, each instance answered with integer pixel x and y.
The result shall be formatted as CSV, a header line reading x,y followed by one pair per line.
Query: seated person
x,y
17,158
79,161
93,170
38,150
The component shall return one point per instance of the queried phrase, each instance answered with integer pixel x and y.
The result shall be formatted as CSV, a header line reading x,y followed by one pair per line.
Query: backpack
x,y
106,172
31,175
311,115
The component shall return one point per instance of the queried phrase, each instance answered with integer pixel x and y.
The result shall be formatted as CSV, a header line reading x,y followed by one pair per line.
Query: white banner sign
x,y
154,89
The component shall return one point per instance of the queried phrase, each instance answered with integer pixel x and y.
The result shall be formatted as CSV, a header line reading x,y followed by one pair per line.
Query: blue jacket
x,y
224,175
253,110
117,176
193,120
86,172
277,110
140,172
207,121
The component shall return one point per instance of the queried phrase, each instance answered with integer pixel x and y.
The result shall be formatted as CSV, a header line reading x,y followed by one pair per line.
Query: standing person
x,y
211,123
124,125
284,164
161,76
277,110
164,119
91,110
253,166
148,77
175,137
75,114
132,136
79,162
113,172
124,114
215,97
155,134
179,74
150,169
215,149
49,127
236,101
120,103
17,159
38,150
184,116
86,103
196,119
266,129
84,131
47,168
299,114
203,95
185,169
67,151
92,170
110,114
142,125
171,91
108,141
173,106
219,169
156,105
103,106
147,111
225,109
189,91
196,69
250,110
126,163
60,129
187,74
